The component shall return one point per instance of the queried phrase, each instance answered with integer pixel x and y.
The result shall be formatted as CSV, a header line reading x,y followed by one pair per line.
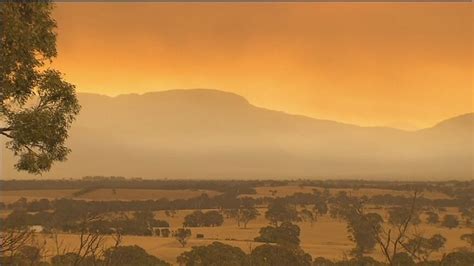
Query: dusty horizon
x,y
379,64
285,112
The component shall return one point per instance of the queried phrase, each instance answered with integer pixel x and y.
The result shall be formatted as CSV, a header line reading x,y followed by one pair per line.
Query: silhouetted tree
x,y
37,106
280,211
165,232
433,218
308,216
424,247
182,235
131,256
402,259
361,231
450,221
469,238
285,234
270,255
215,254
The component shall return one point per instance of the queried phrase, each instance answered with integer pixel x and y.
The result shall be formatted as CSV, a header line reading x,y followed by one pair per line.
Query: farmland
x,y
325,236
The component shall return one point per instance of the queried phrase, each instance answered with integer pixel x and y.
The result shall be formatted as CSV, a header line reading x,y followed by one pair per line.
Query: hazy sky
x,y
404,65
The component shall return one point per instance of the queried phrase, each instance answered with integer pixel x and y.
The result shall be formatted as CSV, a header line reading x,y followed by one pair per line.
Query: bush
x,y
285,234
199,218
320,261
450,221
459,258
182,235
402,259
131,256
269,255
165,232
215,254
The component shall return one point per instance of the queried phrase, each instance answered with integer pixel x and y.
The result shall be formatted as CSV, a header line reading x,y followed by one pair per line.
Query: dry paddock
x,y
327,238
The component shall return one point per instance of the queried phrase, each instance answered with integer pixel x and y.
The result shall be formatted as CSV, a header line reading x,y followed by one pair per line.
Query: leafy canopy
x,y
37,106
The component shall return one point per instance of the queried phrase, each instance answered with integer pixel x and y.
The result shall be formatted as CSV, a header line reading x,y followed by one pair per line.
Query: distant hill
x,y
203,133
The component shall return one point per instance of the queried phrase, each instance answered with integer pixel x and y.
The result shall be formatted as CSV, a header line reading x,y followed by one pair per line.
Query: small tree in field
x,y
247,214
285,234
450,221
469,238
165,232
433,218
361,229
280,211
308,216
182,235
424,247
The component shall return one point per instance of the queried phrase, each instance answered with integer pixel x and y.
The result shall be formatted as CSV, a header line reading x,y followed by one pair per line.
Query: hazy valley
x,y
213,134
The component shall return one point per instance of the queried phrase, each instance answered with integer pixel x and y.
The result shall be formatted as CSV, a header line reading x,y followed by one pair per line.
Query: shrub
x,y
165,232
215,254
450,221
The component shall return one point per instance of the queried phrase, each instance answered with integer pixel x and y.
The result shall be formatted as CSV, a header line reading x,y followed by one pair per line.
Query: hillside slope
x,y
213,134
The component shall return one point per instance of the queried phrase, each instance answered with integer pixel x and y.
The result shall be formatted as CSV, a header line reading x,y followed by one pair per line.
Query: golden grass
x,y
281,191
10,196
327,237
143,194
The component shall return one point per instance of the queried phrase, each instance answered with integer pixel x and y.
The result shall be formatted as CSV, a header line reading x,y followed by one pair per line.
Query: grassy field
x,y
10,196
327,237
282,191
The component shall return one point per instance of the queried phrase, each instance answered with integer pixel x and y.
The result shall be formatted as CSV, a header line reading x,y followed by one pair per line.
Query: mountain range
x,y
203,133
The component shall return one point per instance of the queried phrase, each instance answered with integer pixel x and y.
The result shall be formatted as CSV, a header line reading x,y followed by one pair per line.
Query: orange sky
x,y
404,65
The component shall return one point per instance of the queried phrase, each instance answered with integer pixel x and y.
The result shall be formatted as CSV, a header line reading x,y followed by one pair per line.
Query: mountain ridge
x,y
202,133
469,115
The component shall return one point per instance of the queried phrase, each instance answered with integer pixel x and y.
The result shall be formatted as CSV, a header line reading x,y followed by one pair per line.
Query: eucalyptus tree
x,y
37,106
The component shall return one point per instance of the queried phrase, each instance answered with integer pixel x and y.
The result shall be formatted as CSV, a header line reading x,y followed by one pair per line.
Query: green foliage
x,y
308,216
360,261
242,210
402,259
182,235
320,261
459,258
321,206
131,256
399,215
27,255
423,247
37,106
65,260
215,254
450,221
433,218
271,255
165,232
362,229
18,219
280,211
469,238
285,234
199,218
